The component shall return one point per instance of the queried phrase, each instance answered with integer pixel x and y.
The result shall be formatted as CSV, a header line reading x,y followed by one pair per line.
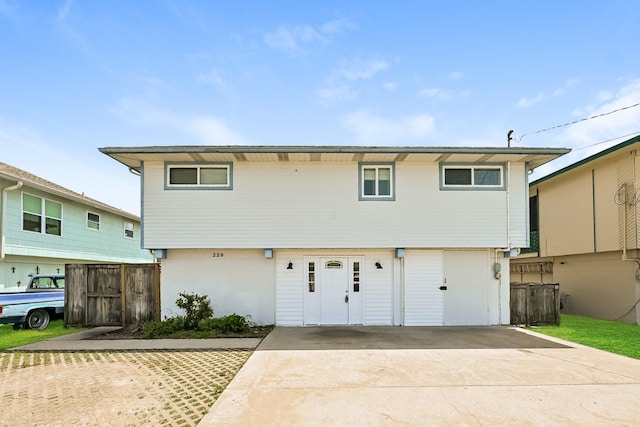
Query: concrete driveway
x,y
428,376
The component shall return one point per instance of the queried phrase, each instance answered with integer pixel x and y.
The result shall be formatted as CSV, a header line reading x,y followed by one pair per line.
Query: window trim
x,y
99,223
369,165
473,166
43,214
170,165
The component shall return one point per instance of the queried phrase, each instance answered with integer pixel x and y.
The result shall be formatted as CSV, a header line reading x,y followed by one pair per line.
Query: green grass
x,y
10,338
615,337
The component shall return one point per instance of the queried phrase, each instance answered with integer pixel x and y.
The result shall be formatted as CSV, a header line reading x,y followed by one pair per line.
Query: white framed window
x,y
377,181
472,177
128,229
93,221
40,215
211,176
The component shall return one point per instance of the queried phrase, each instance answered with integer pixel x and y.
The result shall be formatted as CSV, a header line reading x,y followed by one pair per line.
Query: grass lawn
x,y
10,338
615,337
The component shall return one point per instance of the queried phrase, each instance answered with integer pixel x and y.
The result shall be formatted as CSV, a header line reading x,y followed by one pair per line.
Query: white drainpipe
x,y
4,215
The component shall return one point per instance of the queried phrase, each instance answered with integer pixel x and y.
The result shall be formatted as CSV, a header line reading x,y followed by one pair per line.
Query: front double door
x,y
337,297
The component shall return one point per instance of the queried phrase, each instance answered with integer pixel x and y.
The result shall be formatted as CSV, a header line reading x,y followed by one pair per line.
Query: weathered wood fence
x,y
111,294
535,303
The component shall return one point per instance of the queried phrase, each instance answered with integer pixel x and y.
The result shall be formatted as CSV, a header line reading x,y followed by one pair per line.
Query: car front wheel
x,y
38,319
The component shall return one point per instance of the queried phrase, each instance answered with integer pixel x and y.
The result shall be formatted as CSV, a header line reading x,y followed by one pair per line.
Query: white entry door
x,y
334,291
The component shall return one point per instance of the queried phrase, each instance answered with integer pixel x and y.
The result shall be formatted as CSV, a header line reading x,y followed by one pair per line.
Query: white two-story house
x,y
337,235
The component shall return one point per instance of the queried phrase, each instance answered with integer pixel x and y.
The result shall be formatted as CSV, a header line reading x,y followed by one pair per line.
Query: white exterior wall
x,y
316,205
240,281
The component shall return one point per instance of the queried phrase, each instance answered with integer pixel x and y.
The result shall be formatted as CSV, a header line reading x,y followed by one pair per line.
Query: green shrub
x,y
233,323
197,309
157,329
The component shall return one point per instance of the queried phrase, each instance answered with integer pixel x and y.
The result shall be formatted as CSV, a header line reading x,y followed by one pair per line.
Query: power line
x,y
572,123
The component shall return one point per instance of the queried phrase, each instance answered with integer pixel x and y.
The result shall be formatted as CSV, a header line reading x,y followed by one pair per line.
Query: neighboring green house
x,y
44,226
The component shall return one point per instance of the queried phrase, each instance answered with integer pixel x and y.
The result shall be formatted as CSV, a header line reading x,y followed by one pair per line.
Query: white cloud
x,y
63,11
623,122
543,96
215,79
75,165
456,76
390,86
371,129
442,94
337,26
207,130
339,85
358,68
588,137
292,40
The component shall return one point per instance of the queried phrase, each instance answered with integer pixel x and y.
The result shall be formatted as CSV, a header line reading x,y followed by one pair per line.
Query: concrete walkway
x,y
428,376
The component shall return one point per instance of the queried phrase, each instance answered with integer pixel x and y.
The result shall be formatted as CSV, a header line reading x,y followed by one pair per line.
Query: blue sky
x,y
77,75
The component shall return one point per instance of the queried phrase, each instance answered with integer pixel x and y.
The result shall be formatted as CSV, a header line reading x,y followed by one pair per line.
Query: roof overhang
x,y
133,157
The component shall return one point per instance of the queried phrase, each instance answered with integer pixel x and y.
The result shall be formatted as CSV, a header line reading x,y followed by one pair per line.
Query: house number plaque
x,y
217,255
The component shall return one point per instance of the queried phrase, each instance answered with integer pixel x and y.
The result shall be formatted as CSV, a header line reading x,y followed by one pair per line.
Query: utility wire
x,y
578,121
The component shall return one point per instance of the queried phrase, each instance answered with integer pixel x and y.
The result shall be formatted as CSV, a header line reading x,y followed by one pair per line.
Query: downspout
x,y
4,215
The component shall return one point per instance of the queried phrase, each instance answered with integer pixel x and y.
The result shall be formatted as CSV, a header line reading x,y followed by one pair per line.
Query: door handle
x,y
346,298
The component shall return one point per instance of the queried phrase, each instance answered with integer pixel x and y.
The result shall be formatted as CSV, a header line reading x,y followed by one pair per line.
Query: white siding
x,y
519,219
316,205
240,281
377,285
290,291
423,299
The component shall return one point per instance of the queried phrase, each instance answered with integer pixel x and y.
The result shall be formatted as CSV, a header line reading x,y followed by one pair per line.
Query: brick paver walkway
x,y
118,388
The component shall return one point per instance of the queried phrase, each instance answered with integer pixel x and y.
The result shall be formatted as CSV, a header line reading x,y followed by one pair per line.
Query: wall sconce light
x,y
268,253
58,270
37,270
13,269
290,266
378,265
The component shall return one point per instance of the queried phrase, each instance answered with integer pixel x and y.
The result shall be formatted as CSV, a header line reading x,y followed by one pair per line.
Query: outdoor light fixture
x,y
13,269
378,265
290,266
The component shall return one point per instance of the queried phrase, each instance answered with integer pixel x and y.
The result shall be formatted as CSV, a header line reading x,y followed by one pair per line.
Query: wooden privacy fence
x,y
111,294
535,303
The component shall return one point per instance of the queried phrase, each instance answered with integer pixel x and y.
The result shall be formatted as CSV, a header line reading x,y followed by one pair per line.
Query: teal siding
x,y
78,242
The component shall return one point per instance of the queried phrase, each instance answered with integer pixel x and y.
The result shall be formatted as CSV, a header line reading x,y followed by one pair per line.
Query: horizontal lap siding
x,y
422,297
316,205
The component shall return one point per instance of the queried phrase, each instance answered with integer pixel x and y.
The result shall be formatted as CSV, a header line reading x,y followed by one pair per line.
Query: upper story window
x,y
41,215
93,221
128,229
377,181
199,176
472,177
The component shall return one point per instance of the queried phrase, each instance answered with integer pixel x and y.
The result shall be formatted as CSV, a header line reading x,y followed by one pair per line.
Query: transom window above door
x,y
212,176
377,181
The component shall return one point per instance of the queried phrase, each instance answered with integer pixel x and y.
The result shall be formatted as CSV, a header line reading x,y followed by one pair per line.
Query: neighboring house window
x,y
41,215
377,181
201,176
487,177
128,229
93,221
